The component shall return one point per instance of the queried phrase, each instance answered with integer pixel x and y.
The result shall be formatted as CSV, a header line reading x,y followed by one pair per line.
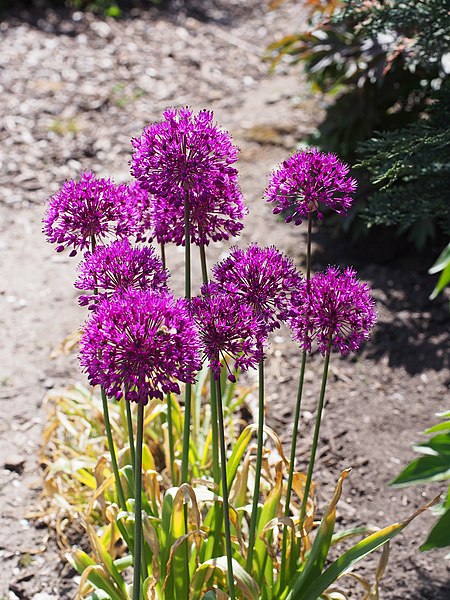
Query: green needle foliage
x,y
411,168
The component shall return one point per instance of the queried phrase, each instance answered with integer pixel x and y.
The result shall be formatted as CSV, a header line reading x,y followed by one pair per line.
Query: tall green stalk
x,y
138,505
171,438
315,437
188,389
258,467
213,403
169,399
112,451
295,428
107,420
130,432
226,509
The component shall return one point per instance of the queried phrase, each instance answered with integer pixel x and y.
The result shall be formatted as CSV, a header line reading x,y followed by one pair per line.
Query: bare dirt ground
x,y
74,90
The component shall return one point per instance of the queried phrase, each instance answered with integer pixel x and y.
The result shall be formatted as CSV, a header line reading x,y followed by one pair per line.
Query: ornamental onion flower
x,y
262,277
114,269
336,311
88,211
228,330
183,152
307,180
142,341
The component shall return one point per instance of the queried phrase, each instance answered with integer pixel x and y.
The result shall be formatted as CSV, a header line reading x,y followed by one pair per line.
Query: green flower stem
x,y
203,264
295,428
215,432
130,432
188,388
138,505
226,509
169,399
258,467
187,283
112,451
315,438
171,438
163,255
308,249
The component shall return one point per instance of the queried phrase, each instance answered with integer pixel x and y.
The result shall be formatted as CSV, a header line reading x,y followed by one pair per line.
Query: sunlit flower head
x,y
143,342
309,180
114,269
184,152
262,277
88,211
230,331
336,311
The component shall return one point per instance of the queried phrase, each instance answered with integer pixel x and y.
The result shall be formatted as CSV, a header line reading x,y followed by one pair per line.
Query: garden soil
x,y
74,90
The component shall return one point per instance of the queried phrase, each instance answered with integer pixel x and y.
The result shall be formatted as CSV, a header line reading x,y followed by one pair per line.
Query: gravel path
x,y
73,93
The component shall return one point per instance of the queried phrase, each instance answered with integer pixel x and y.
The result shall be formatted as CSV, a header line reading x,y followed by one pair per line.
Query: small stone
x,y
15,464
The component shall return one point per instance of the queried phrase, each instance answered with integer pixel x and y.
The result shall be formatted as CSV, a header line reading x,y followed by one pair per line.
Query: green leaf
x,y
352,556
215,570
439,536
319,550
445,426
425,468
437,445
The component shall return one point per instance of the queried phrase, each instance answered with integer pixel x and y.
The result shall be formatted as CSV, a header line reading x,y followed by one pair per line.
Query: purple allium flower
x,y
262,277
308,179
141,341
183,152
212,217
335,308
228,330
116,268
87,210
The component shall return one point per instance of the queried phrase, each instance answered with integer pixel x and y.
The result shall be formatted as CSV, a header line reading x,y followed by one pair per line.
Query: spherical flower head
x,y
335,310
212,216
114,269
143,342
184,152
85,211
308,180
228,330
264,278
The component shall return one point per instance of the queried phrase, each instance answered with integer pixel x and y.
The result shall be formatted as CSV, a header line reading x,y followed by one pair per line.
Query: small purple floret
x,y
264,278
228,330
336,311
87,210
142,342
114,269
308,180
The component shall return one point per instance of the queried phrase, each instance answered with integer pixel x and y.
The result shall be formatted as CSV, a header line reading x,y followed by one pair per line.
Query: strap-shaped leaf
x,y
352,556
215,571
319,550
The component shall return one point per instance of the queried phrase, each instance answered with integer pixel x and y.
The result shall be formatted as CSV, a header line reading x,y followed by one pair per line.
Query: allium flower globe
x,y
88,211
336,311
143,342
228,330
264,278
187,157
183,152
114,269
308,180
